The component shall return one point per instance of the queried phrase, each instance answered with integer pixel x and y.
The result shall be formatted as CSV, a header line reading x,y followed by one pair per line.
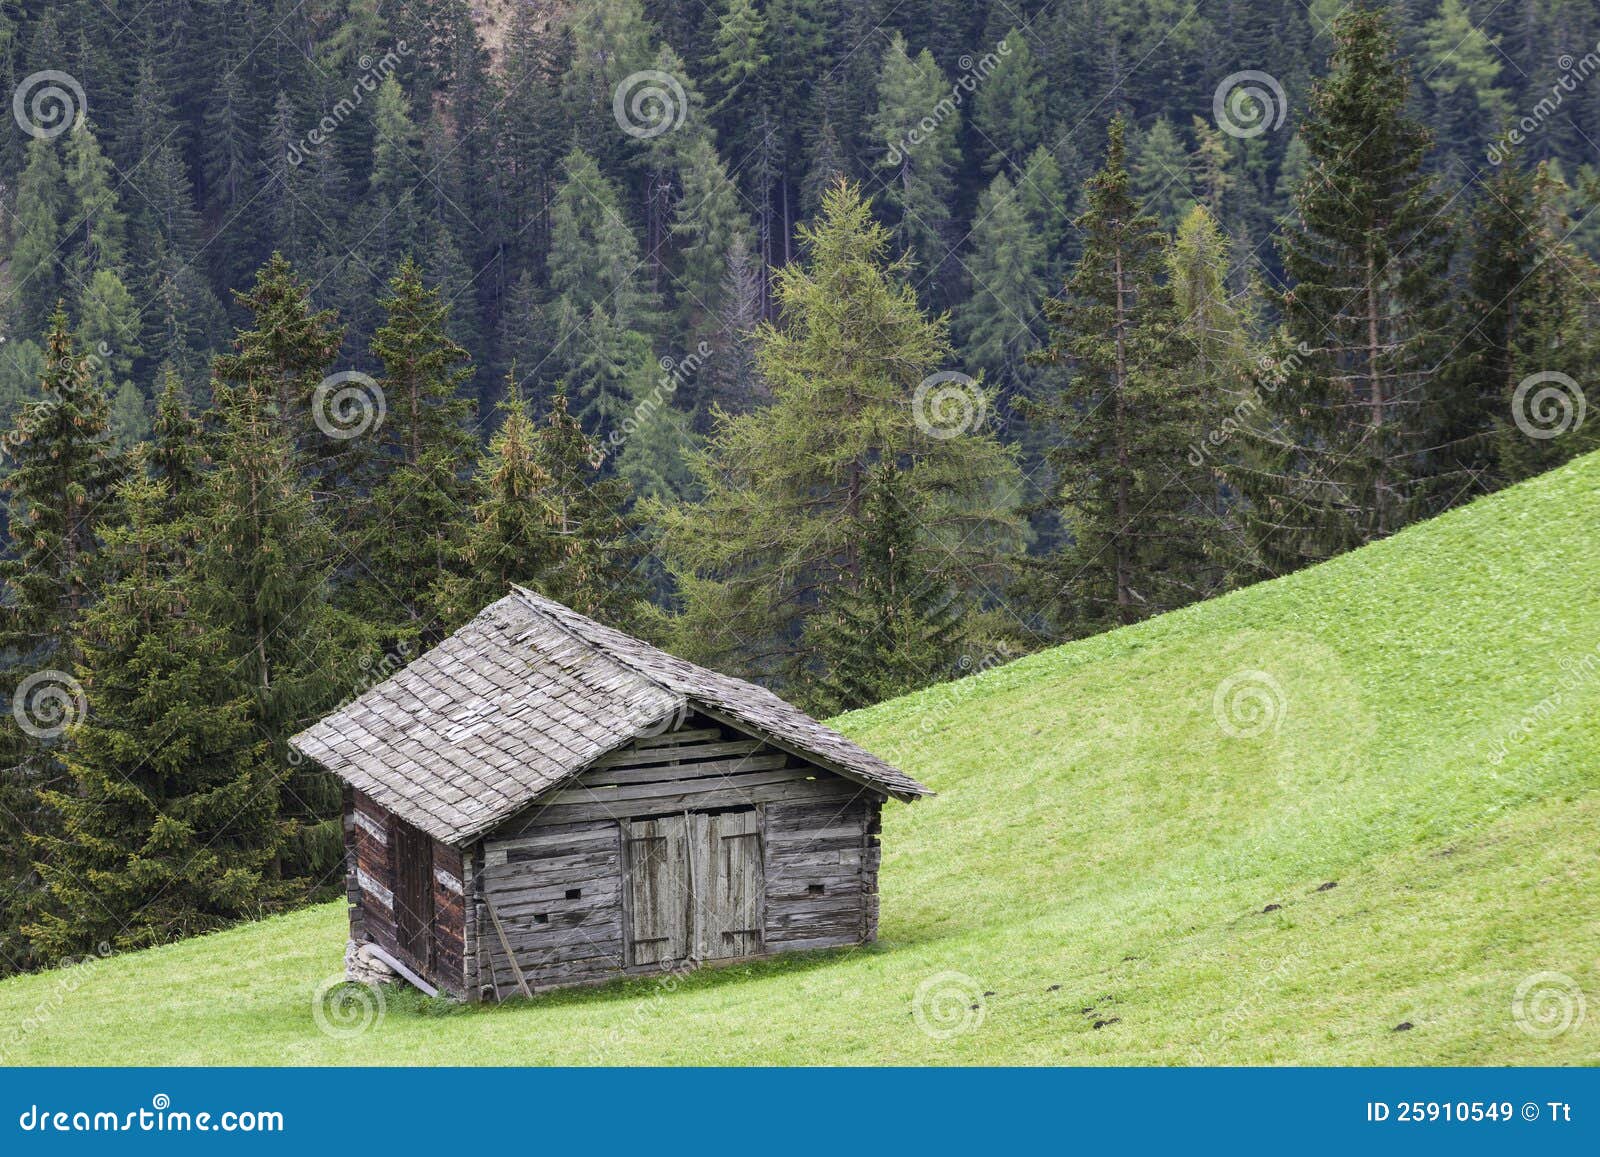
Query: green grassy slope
x,y
1102,851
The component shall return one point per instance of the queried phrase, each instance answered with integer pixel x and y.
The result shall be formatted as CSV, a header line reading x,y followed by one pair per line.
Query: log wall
x,y
549,884
370,883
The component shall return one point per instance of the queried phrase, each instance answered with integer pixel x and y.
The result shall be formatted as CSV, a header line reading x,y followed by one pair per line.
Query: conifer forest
x,y
845,345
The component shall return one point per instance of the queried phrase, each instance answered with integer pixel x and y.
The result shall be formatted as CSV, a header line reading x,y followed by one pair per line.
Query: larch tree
x,y
916,129
852,371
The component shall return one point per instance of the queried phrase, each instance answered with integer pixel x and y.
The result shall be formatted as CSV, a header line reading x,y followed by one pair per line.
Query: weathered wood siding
x,y
781,855
371,880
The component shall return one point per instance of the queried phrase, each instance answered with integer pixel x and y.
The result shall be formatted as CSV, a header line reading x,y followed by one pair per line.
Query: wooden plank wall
x,y
369,845
822,872
818,831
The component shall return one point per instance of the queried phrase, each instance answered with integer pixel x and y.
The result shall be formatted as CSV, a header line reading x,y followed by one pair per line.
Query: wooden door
x,y
695,887
413,893
657,890
729,884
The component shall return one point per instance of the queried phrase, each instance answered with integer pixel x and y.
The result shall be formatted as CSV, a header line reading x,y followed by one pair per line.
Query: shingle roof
x,y
528,694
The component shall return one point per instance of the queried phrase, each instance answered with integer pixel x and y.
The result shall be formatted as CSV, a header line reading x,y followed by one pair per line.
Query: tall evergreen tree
x,y
409,532
599,541
512,537
1344,440
1140,533
263,575
892,630
170,823
918,161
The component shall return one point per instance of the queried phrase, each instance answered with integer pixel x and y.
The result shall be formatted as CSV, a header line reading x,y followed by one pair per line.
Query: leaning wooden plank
x,y
393,962
516,970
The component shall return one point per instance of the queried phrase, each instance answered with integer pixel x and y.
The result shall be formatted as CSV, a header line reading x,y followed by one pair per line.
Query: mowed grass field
x,y
1286,826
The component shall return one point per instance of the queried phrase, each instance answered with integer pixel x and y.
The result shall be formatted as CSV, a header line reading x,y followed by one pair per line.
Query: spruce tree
x,y
63,474
262,577
512,537
892,630
1530,315
283,359
1127,415
56,496
408,534
599,542
1336,457
170,822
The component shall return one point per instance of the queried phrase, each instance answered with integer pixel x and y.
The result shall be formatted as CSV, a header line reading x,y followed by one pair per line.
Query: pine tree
x,y
408,534
1342,443
170,823
785,487
1127,414
893,629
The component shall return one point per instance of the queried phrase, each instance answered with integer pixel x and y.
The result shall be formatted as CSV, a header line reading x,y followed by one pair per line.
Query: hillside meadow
x,y
1343,817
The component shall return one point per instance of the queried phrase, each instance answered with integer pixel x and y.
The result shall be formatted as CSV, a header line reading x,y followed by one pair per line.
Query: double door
x,y
693,886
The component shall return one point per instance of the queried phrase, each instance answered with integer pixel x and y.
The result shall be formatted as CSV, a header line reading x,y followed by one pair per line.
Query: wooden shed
x,y
542,801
